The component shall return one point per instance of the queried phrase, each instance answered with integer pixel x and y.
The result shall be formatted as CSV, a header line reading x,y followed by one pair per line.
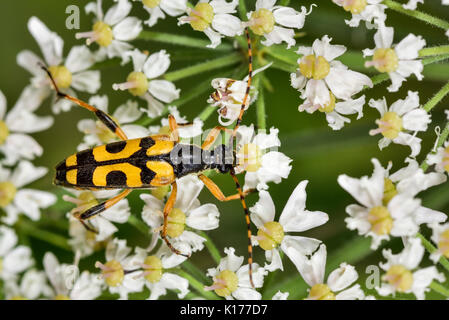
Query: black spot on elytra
x,y
85,157
146,143
84,176
116,178
116,147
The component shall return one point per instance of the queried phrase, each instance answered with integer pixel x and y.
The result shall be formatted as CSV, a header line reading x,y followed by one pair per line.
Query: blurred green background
x,y
319,154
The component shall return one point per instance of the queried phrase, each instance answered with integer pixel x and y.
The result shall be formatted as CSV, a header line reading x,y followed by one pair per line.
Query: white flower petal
x,y
117,12
263,211
50,43
341,278
163,90
204,217
156,64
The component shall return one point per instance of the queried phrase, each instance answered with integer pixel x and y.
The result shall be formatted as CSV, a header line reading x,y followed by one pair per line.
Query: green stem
x,y
437,98
439,288
207,112
139,225
194,271
434,51
427,18
213,250
260,105
431,249
52,238
181,40
198,286
218,63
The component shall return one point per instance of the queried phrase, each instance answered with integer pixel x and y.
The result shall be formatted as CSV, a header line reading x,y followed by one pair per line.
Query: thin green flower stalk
x,y
435,286
211,247
180,40
218,63
436,98
431,249
434,51
198,286
427,18
260,105
54,239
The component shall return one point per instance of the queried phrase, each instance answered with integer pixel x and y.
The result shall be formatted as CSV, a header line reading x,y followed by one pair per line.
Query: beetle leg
x,y
217,193
167,209
102,116
103,206
212,136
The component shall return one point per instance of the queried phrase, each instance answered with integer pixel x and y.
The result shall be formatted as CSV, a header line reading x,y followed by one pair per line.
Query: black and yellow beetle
x,y
150,162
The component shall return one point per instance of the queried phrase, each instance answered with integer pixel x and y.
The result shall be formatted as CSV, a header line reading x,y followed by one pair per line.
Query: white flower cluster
x,y
388,204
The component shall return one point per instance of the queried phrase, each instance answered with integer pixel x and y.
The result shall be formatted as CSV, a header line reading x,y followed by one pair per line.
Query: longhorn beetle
x,y
152,161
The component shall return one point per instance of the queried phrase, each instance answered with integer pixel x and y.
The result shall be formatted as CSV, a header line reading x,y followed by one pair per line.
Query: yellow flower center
x,y
380,219
62,76
262,21
160,192
385,60
140,81
1,265
201,16
153,269
328,108
399,277
113,272
390,125
250,157
61,297
443,244
226,283
313,67
18,298
446,158
151,3
321,291
389,191
354,6
103,33
270,235
7,193
176,223
4,132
